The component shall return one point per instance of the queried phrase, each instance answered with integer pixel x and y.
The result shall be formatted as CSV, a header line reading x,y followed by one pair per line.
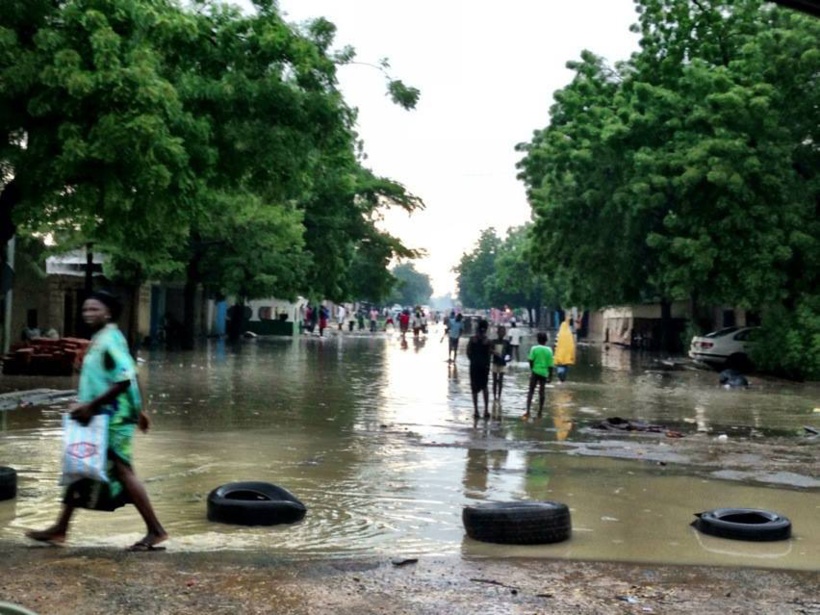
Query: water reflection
x,y
377,437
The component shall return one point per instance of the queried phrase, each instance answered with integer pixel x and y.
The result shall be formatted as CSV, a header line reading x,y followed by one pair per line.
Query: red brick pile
x,y
42,356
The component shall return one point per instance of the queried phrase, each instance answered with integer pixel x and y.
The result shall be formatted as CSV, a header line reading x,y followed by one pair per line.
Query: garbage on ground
x,y
616,423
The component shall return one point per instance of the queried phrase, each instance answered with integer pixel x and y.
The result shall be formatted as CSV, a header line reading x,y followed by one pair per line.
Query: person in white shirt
x,y
341,312
514,335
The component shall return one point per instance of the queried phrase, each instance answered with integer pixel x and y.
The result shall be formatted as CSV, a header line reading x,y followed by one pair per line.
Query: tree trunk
x,y
667,342
132,333
189,307
9,197
236,320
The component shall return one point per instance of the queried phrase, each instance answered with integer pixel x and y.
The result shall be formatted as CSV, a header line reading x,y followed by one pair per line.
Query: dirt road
x,y
63,581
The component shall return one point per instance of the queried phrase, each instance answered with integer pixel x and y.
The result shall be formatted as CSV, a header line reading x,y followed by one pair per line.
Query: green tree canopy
x,y
689,171
195,141
412,287
476,269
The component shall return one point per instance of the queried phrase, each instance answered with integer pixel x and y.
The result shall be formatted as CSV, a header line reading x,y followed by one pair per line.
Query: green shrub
x,y
789,342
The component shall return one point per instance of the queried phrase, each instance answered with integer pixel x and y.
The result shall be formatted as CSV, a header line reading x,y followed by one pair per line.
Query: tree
x,y
412,287
92,132
198,142
516,282
689,171
475,270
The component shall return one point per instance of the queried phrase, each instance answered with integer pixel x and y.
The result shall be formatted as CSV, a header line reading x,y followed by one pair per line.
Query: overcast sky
x,y
487,72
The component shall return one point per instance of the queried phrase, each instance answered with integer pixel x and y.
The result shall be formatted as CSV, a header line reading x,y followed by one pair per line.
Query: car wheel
x,y
743,524
518,523
254,503
8,483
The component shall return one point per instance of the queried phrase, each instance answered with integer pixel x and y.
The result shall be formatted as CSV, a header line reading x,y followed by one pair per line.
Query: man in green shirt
x,y
541,363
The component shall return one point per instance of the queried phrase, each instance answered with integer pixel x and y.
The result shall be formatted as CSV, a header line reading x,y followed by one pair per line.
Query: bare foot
x,y
51,536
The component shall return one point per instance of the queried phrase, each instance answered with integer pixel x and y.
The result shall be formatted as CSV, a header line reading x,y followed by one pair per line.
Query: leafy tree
x,y
515,281
369,275
92,132
412,287
689,171
476,269
199,142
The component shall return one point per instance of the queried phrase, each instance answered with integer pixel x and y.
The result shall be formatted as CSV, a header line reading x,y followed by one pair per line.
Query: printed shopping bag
x,y
85,449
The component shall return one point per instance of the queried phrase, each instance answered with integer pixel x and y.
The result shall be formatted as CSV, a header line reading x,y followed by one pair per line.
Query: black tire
x,y
518,523
743,524
8,483
254,503
733,378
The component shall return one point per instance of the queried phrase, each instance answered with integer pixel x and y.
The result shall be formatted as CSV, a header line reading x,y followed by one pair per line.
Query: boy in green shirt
x,y
541,363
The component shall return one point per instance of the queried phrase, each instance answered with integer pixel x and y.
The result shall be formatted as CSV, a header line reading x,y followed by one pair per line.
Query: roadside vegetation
x,y
192,142
687,172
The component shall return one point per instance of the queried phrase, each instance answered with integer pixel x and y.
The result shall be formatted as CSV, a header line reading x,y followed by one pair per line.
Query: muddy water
x,y
378,440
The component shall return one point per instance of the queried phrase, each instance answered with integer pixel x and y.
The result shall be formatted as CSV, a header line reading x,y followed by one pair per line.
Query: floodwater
x,y
378,440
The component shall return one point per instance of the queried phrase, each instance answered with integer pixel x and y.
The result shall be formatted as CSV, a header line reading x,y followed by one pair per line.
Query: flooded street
x,y
379,442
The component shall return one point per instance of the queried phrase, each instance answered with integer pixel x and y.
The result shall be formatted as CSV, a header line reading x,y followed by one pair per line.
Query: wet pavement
x,y
379,442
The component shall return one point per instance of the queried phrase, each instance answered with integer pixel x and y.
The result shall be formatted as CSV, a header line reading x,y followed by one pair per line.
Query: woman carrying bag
x,y
108,386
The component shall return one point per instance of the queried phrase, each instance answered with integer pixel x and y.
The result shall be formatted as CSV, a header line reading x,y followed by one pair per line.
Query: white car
x,y
728,347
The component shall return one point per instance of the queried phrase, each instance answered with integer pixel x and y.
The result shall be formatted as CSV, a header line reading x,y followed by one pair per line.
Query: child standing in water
x,y
541,363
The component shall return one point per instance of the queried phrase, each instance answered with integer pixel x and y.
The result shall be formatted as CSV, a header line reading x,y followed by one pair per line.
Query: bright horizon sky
x,y
487,73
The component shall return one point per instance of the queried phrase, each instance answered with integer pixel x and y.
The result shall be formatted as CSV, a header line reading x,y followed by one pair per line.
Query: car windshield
x,y
748,334
722,332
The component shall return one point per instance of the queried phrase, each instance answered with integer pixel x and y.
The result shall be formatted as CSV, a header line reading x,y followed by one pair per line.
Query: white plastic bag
x,y
85,449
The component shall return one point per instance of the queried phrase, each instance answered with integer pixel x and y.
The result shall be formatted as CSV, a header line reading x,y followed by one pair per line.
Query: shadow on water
x,y
377,438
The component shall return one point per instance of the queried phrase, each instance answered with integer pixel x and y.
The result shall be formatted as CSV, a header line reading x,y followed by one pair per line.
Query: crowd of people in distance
x,y
489,357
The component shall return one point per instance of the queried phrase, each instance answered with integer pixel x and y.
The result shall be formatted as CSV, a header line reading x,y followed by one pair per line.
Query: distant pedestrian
x,y
564,350
455,326
418,323
501,356
404,322
541,362
341,312
323,316
307,325
479,354
514,335
374,319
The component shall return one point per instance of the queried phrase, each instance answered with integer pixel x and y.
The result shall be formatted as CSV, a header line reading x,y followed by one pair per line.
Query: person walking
x,y
514,335
108,385
564,350
479,354
418,322
404,322
323,316
455,326
341,312
501,356
541,362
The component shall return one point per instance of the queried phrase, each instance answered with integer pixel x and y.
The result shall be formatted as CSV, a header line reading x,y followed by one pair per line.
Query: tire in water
x,y
743,524
254,503
8,483
518,523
